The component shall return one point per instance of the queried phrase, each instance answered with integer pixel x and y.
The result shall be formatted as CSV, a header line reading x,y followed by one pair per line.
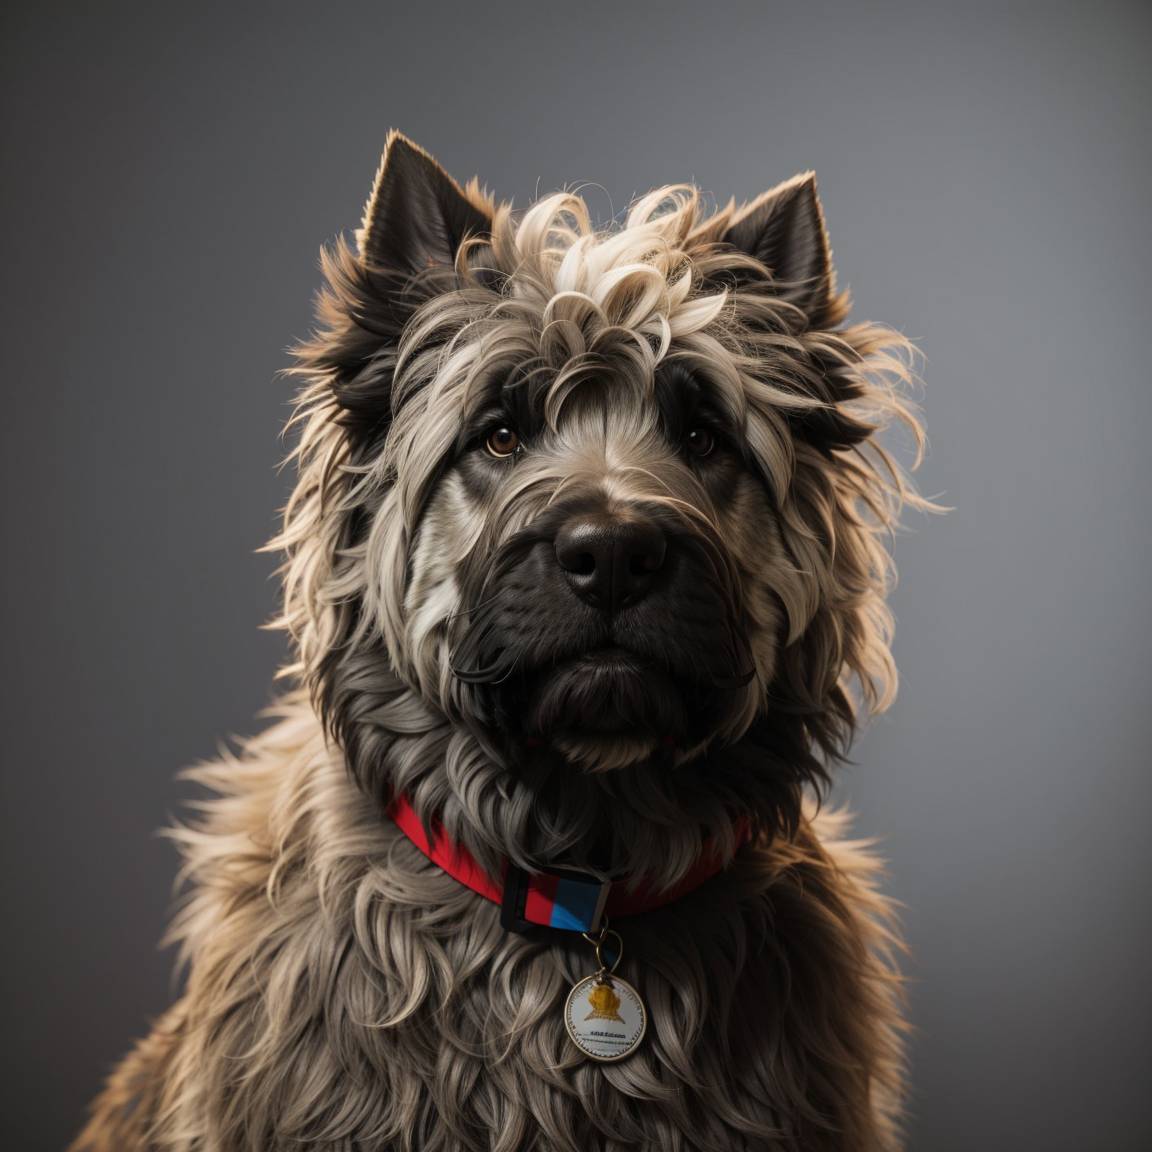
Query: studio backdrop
x,y
168,176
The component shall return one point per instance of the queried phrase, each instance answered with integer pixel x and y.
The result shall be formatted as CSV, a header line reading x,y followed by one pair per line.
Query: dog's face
x,y
603,493
599,557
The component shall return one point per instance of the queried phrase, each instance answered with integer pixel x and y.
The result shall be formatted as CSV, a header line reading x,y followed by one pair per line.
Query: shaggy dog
x,y
585,570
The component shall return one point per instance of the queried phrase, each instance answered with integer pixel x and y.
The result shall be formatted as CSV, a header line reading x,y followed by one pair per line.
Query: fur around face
x,y
343,992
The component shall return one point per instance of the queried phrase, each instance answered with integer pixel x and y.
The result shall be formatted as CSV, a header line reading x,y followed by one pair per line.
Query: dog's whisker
x,y
468,611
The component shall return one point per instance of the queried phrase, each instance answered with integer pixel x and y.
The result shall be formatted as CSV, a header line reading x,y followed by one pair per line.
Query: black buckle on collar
x,y
516,883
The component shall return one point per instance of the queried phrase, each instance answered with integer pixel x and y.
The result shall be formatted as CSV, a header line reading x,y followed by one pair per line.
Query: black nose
x,y
610,562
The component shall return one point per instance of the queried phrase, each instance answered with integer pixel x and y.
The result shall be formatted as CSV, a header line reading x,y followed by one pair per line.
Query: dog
x,y
585,578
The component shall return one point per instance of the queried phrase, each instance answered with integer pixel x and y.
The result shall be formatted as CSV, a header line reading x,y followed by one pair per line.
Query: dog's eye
x,y
502,442
700,441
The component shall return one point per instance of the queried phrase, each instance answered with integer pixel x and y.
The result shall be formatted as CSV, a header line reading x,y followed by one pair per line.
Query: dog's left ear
x,y
784,229
417,215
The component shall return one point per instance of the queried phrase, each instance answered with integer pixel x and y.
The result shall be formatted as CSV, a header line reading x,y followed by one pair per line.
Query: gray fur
x,y
343,993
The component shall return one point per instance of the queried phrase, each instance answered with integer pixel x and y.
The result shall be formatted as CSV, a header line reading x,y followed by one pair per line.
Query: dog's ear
x,y
417,215
783,228
414,224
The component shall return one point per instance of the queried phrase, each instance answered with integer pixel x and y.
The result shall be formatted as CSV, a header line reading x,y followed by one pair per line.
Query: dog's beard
x,y
606,692
664,678
611,707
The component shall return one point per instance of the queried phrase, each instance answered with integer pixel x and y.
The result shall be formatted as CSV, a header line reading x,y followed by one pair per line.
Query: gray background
x,y
168,177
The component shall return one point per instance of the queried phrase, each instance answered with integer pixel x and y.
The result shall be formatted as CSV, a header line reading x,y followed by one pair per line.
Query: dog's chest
x,y
372,1002
465,1030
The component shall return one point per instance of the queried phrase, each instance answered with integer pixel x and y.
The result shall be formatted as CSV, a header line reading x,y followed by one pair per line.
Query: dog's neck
x,y
554,898
535,809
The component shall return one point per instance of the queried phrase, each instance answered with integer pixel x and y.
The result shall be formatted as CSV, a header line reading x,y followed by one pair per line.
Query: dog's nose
x,y
610,562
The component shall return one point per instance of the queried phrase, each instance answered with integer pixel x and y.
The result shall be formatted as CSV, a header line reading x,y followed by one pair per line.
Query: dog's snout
x,y
608,561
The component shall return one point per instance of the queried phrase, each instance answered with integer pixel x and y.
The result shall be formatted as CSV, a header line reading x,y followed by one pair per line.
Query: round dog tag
x,y
605,1017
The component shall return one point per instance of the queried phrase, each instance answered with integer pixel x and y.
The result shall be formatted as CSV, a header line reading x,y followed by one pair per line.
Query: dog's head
x,y
609,496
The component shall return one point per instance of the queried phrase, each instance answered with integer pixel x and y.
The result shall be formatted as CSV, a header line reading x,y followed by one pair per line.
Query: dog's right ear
x,y
414,224
417,216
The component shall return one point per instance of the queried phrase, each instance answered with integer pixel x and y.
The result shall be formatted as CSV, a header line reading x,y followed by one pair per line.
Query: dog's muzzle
x,y
606,624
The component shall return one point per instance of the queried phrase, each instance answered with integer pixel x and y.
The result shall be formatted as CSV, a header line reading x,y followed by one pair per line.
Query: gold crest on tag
x,y
604,1014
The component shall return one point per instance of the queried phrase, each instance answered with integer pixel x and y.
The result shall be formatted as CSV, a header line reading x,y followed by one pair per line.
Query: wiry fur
x,y
342,991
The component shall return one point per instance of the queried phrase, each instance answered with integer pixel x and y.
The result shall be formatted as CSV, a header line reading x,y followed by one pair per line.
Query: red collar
x,y
553,897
